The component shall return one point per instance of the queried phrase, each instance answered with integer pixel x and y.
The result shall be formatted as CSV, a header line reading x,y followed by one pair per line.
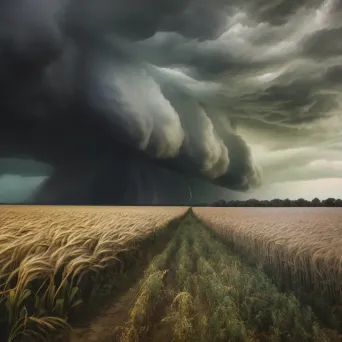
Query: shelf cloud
x,y
127,101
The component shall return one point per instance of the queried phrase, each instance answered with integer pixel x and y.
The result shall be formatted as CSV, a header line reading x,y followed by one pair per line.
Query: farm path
x,y
104,327
196,289
108,323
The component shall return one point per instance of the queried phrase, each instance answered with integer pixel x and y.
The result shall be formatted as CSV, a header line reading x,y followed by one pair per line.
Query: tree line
x,y
301,202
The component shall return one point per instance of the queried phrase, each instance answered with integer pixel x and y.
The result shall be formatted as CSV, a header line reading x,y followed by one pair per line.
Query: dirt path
x,y
104,328
106,325
204,284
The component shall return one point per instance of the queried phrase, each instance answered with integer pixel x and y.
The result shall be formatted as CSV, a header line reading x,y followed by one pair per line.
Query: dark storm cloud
x,y
200,19
279,12
113,92
134,19
324,43
334,75
242,171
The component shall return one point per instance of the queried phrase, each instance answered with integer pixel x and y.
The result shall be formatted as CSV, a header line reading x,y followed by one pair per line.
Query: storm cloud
x,y
135,101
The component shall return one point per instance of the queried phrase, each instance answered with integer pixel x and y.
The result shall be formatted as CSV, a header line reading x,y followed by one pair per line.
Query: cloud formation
x,y
153,84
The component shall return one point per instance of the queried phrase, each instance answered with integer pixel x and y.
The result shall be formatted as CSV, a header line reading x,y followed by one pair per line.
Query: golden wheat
x,y
47,247
302,244
37,242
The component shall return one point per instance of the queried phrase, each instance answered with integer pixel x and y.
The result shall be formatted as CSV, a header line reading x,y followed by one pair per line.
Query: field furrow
x,y
304,245
197,289
103,274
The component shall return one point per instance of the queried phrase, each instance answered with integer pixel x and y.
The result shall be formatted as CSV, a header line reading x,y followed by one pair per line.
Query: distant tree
x,y
300,202
252,202
287,203
329,202
315,202
338,203
276,202
236,203
266,203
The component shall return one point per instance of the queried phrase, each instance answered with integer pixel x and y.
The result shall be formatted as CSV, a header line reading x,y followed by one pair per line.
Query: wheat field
x,y
303,245
179,281
198,290
52,246
41,240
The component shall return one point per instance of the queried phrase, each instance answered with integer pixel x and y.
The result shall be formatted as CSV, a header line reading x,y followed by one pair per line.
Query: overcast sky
x,y
245,93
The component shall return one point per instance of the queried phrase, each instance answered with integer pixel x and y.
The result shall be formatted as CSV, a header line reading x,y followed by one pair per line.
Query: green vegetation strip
x,y
150,293
212,296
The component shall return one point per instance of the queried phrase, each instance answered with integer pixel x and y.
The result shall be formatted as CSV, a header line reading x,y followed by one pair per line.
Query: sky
x,y
153,102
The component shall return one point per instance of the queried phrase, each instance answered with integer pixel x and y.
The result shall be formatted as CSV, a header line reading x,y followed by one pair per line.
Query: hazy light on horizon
x,y
307,189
